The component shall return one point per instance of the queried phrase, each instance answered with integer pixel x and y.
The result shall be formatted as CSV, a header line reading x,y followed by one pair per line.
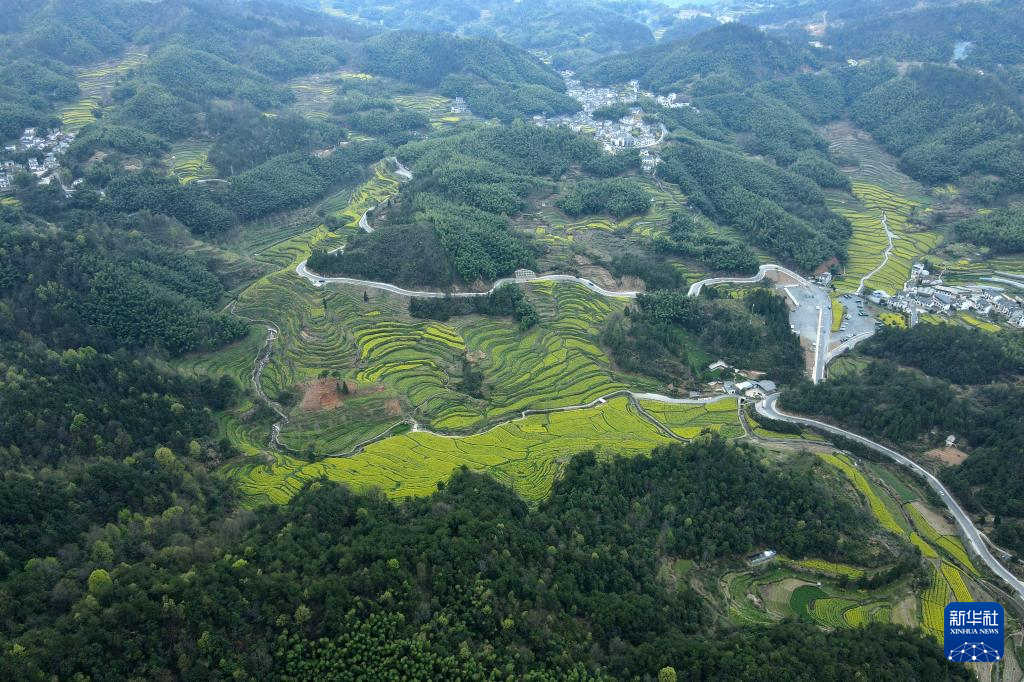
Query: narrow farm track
x,y
975,538
885,256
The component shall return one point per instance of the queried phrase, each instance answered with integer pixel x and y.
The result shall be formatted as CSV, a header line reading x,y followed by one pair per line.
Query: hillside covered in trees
x,y
160,356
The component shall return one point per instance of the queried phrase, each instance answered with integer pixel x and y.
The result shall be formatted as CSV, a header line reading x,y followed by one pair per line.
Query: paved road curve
x,y
977,543
823,321
823,324
320,280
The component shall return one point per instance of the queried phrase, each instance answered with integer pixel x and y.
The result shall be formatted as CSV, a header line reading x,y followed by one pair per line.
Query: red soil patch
x,y
950,456
393,407
324,393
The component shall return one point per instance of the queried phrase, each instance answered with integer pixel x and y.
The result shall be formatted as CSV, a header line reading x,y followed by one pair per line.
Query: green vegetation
x,y
1001,230
686,238
777,210
688,421
618,198
735,54
869,242
214,468
672,336
190,162
905,407
957,354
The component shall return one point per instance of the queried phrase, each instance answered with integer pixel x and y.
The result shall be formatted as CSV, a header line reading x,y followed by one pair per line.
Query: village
x,y
36,153
926,293
629,132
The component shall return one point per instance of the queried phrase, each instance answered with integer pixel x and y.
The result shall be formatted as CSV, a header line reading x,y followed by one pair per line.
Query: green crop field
x,y
867,613
550,226
95,83
828,567
188,162
526,454
878,508
687,421
873,164
956,582
933,604
867,246
829,611
950,545
314,94
76,116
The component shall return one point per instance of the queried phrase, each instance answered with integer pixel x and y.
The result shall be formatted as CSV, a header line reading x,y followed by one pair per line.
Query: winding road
x,y
320,280
975,538
820,338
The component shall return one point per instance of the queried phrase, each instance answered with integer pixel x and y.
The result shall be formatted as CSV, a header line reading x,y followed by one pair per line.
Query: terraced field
x,y
76,116
831,601
978,323
375,191
687,421
872,163
869,242
878,508
434,107
933,605
188,162
948,544
553,228
95,83
828,567
829,611
527,454
314,94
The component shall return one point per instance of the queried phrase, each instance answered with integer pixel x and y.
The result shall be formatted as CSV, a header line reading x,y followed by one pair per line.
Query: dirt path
x,y
885,257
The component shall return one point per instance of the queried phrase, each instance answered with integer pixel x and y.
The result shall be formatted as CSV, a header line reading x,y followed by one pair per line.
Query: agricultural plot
x,y
830,604
375,191
948,544
741,591
828,568
878,507
978,323
869,241
872,164
555,229
188,162
956,582
838,310
861,615
893,320
527,454
95,83
688,421
76,116
933,605
434,107
315,94
830,611
101,78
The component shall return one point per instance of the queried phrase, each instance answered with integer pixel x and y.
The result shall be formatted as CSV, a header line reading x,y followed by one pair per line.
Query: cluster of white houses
x,y
925,293
44,161
629,132
752,386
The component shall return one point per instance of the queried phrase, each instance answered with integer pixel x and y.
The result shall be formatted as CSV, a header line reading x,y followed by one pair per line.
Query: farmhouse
x,y
761,557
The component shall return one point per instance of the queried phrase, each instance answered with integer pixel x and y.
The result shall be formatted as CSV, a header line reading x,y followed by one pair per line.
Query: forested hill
x,y
571,31
426,58
736,53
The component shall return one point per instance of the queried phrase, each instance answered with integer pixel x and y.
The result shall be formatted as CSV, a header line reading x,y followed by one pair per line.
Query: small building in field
x,y
761,557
